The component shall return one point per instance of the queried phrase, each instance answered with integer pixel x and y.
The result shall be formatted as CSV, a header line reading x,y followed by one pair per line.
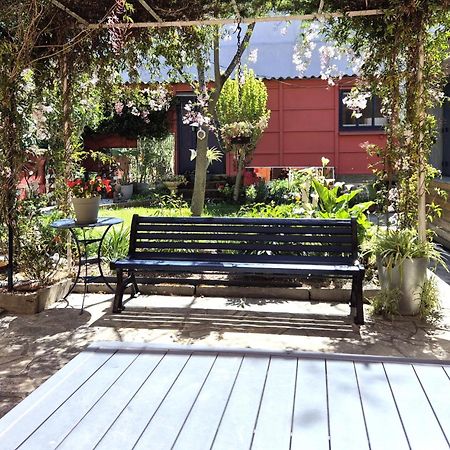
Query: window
x,y
371,116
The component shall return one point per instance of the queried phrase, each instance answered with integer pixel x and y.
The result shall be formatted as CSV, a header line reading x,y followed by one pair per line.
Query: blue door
x,y
187,140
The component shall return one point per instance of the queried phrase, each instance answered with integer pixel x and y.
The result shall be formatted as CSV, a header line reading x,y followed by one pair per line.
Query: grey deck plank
x,y
168,420
88,432
383,422
347,425
236,428
310,421
64,418
200,427
421,426
436,385
273,426
19,423
129,425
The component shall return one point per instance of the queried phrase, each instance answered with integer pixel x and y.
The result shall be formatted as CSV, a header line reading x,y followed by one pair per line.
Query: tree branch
x,y
234,62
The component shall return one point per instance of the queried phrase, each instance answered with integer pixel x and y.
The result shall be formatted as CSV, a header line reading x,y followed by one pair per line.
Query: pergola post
x,y
421,189
67,131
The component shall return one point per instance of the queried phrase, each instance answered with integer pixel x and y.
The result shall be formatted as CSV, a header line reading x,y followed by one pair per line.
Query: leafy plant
x,y
430,304
116,243
242,112
336,202
40,246
90,188
269,210
385,303
394,246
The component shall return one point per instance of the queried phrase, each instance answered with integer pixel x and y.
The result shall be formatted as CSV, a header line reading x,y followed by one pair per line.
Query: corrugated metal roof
x,y
274,43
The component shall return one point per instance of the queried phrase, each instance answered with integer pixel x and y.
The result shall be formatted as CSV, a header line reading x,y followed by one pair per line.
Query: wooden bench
x,y
286,247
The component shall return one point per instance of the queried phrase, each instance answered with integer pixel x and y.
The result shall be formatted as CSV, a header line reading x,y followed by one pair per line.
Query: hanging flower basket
x,y
241,140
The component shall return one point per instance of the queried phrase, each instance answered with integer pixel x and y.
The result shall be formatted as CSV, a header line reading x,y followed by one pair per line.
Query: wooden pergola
x,y
75,18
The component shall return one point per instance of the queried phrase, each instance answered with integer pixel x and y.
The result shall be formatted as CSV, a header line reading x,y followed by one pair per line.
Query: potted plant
x,y
402,261
172,182
86,197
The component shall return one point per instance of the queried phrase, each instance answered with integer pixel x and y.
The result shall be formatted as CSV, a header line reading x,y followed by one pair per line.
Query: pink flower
x,y
119,108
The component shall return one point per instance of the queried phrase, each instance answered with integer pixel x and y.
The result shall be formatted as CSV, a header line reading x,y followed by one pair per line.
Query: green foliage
x,y
334,202
39,246
242,102
394,246
385,303
151,160
256,193
430,304
269,210
242,111
116,243
409,90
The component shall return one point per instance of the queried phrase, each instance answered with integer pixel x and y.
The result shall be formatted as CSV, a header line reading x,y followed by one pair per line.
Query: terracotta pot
x,y
86,209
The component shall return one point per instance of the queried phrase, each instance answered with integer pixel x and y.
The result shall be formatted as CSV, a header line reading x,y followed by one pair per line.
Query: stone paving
x,y
35,347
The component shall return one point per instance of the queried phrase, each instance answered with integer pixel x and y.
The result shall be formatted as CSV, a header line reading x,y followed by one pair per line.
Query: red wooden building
x,y
308,120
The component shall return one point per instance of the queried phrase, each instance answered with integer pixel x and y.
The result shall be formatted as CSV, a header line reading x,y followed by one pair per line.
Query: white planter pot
x,y
86,209
408,278
172,186
127,191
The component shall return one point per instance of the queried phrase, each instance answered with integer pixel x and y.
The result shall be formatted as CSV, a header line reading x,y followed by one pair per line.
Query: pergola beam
x,y
190,23
70,12
150,10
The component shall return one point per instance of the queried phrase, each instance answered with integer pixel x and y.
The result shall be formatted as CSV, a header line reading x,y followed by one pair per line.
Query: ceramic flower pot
x,y
409,278
86,209
140,188
126,191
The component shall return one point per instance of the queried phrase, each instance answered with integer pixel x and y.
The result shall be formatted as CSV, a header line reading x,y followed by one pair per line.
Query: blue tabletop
x,y
72,223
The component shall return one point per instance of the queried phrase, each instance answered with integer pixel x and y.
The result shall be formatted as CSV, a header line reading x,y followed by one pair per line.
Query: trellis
x,y
92,17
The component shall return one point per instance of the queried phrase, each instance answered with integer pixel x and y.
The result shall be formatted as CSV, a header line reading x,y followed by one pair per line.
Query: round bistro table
x,y
82,244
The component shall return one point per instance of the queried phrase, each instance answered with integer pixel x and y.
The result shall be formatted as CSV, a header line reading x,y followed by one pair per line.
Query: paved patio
x,y
35,347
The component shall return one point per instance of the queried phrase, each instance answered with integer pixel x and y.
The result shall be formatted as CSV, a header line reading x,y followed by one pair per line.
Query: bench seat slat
x,y
245,220
242,229
260,237
230,266
274,247
247,258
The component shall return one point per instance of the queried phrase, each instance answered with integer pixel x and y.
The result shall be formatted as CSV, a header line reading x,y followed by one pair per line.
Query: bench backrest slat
x,y
322,240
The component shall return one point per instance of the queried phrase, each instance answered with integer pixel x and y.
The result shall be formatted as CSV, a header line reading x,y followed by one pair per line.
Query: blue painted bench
x,y
290,247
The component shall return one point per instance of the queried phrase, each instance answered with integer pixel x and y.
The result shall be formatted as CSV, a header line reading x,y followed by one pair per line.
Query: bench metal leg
x,y
357,300
120,287
135,288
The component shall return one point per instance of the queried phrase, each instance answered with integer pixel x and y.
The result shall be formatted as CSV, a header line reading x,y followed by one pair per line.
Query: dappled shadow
x,y
200,322
34,347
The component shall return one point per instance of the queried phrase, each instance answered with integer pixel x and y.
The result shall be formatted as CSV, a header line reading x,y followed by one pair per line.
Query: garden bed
x,y
35,301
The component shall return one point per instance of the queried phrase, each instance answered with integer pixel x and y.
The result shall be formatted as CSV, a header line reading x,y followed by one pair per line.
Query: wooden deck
x,y
124,396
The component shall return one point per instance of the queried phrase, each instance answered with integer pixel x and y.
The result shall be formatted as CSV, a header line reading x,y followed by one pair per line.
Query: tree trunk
x,y
201,167
238,182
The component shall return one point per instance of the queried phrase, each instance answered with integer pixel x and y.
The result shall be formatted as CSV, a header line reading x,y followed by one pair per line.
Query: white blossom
x,y
253,56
